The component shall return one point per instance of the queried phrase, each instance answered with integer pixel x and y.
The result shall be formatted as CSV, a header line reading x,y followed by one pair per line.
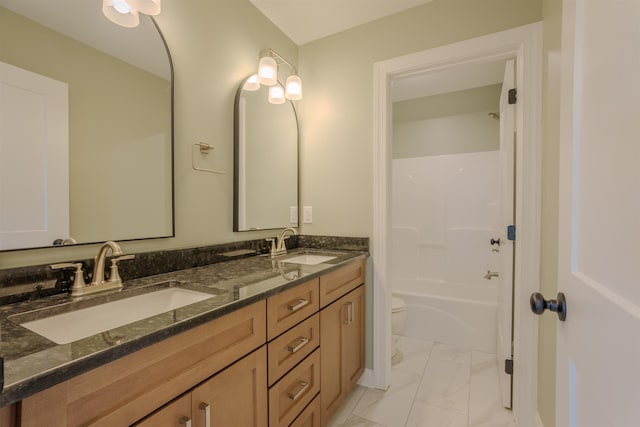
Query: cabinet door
x,y
236,396
174,414
332,318
353,356
342,349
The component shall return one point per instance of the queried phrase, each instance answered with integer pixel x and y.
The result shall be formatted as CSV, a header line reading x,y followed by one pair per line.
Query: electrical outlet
x,y
293,215
307,211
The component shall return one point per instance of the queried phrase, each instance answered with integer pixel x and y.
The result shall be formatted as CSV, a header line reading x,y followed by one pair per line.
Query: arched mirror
x,y
87,137
266,162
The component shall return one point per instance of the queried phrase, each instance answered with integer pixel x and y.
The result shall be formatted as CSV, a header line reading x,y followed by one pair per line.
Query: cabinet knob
x,y
185,421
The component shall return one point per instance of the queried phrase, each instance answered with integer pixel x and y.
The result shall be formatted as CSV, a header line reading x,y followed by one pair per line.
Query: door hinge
x,y
508,366
513,96
511,232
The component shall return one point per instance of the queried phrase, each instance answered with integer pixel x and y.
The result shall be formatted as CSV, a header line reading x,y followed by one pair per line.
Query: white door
x,y
34,159
598,351
506,247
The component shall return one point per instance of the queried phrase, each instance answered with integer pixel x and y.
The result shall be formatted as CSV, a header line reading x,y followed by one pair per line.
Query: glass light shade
x,y
148,7
251,83
293,88
267,71
120,12
276,95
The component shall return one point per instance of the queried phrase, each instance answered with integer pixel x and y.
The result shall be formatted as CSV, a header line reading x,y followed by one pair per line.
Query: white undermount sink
x,y
308,259
75,325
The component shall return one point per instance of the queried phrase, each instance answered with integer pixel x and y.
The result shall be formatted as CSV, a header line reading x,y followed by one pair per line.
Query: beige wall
x,y
215,45
448,104
448,123
337,112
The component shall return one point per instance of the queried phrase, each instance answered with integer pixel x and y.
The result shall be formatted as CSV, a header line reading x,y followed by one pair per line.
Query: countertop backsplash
x,y
38,281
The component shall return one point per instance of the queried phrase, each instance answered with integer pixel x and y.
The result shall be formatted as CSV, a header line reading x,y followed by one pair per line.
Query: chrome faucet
x,y
278,246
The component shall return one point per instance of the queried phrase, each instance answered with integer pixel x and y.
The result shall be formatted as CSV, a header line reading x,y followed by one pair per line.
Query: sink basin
x,y
308,259
75,325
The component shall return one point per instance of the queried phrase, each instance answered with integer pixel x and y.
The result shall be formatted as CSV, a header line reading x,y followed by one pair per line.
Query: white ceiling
x,y
307,20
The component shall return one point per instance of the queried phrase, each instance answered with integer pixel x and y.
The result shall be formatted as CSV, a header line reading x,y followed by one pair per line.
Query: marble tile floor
x,y
432,385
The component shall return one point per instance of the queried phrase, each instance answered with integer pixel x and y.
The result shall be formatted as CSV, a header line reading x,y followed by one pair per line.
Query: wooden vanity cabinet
x,y
236,396
289,360
342,338
124,391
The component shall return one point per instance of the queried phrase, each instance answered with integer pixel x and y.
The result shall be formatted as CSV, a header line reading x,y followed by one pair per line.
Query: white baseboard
x,y
366,379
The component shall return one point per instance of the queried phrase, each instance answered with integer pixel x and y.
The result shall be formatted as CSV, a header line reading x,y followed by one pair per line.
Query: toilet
x,y
398,320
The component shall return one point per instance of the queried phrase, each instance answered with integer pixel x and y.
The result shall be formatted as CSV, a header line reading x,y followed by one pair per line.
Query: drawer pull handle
x,y
184,421
303,387
207,413
301,303
302,341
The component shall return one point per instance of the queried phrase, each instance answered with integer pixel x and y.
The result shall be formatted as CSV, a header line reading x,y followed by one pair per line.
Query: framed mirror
x,y
87,136
266,162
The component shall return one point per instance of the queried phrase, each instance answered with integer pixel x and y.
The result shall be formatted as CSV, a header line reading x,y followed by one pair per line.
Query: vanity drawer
x,y
340,282
291,347
294,391
290,307
310,416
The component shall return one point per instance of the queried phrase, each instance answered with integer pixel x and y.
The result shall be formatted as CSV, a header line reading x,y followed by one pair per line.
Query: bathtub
x,y
458,315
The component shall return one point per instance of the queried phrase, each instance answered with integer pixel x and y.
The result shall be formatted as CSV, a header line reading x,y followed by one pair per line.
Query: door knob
x,y
539,305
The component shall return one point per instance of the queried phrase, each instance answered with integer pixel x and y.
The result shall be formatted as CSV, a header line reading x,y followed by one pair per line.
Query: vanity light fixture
x,y
125,12
293,87
252,83
267,71
276,95
268,76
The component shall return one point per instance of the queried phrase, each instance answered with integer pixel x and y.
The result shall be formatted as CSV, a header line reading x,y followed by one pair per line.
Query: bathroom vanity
x,y
277,343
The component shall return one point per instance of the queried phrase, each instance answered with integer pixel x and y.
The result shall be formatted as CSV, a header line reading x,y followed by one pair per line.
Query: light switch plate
x,y
307,212
293,215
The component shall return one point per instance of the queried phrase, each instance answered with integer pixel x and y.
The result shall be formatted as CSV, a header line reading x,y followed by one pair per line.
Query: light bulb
x,y
251,83
267,71
148,7
276,95
121,12
294,88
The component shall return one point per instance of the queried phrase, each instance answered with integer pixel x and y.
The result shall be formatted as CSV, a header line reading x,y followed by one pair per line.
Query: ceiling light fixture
x,y
125,12
268,76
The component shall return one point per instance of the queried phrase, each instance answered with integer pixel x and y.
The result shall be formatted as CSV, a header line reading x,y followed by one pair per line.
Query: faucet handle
x,y
114,276
273,245
78,280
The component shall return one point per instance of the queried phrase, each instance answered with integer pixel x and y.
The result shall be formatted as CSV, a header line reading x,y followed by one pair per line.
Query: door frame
x,y
525,45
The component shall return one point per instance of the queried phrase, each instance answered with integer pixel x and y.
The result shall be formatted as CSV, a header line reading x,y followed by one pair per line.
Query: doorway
x,y
524,44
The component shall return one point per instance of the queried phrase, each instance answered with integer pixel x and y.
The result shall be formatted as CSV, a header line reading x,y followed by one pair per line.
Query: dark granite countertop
x,y
33,363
